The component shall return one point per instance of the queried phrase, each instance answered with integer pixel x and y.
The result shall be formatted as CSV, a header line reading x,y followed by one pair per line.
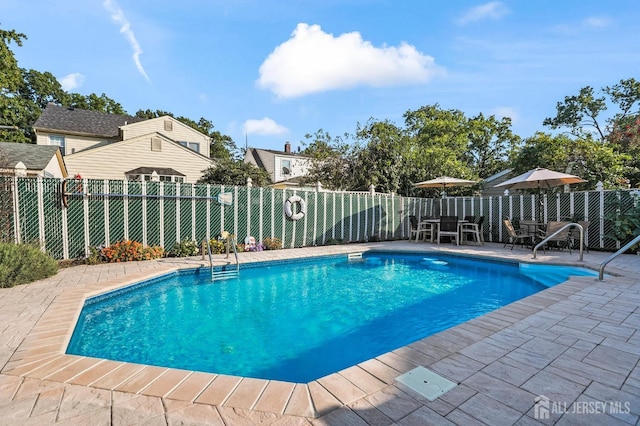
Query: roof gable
x,y
138,139
34,157
81,121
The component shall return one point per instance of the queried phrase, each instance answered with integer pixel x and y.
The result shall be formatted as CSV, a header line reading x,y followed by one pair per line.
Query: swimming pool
x,y
300,320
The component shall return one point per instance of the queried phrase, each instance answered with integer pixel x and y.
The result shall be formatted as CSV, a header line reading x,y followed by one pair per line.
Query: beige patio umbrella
x,y
540,178
444,182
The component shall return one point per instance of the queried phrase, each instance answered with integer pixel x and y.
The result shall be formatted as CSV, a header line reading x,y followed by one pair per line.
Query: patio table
x,y
435,224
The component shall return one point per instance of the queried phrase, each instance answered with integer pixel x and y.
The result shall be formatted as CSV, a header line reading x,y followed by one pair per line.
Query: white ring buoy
x,y
288,207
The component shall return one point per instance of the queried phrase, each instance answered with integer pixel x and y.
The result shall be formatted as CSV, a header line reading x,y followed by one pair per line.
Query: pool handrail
x,y
568,225
235,252
627,246
209,252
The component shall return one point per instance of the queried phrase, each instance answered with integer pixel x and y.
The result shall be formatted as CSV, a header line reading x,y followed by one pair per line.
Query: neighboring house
x,y
285,167
25,159
488,184
112,146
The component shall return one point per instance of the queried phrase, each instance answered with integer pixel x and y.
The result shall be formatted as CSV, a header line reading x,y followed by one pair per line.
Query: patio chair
x,y
448,227
414,227
472,229
560,241
420,230
521,235
574,235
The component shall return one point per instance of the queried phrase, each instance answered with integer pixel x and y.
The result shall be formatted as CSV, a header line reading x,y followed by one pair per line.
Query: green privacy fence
x,y
68,217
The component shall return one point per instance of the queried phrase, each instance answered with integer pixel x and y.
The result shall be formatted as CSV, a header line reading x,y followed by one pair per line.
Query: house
x,y
99,145
285,168
489,184
25,159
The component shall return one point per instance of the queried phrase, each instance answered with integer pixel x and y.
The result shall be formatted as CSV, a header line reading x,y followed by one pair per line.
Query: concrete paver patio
x,y
573,348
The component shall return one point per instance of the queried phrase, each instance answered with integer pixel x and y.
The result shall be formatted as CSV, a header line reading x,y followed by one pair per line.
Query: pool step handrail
x,y
228,273
208,246
568,225
626,247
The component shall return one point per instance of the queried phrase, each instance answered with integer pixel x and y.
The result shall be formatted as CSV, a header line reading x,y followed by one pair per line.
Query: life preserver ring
x,y
63,193
288,207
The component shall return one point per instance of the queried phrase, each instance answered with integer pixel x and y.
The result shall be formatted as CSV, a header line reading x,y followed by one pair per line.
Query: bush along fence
x,y
70,217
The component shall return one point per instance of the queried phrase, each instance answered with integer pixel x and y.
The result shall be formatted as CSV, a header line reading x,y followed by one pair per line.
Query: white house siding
x,y
112,161
72,143
179,132
299,167
53,168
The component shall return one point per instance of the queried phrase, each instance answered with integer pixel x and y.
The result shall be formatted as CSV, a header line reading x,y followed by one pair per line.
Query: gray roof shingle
x,y
94,123
34,157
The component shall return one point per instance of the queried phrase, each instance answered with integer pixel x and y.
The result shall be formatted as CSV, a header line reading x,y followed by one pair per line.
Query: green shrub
x,y
272,243
24,263
185,248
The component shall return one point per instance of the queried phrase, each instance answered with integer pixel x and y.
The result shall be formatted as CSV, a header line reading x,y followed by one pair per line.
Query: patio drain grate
x,y
426,382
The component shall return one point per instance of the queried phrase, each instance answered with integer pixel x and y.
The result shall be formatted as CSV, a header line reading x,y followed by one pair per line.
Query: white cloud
x,y
71,81
501,112
587,25
117,15
313,61
265,126
597,22
492,10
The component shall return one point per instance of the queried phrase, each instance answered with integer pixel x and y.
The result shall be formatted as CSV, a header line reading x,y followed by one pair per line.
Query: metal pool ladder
x,y
224,274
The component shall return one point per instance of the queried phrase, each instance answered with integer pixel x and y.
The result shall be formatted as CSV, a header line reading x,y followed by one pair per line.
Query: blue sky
x,y
275,70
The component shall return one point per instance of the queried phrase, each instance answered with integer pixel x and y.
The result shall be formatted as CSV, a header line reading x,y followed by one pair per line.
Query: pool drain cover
x,y
426,382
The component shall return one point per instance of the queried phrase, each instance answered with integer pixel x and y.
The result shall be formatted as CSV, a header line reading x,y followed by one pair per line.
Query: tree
x,y
93,102
40,88
12,107
490,143
380,161
587,158
626,139
331,161
234,173
582,116
10,75
440,139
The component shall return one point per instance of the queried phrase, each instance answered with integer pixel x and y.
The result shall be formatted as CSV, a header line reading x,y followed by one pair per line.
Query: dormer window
x,y
286,167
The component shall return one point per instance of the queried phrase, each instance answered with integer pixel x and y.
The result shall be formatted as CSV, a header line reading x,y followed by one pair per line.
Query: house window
x,y
286,167
168,125
59,141
195,146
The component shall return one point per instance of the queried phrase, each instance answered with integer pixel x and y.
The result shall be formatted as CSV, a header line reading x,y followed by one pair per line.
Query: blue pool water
x,y
301,320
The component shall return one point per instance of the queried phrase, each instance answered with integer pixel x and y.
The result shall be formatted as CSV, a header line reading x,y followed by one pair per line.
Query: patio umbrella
x,y
542,179
444,182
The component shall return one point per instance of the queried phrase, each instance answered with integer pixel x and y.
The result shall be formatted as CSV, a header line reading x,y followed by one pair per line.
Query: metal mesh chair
x,y
448,227
515,235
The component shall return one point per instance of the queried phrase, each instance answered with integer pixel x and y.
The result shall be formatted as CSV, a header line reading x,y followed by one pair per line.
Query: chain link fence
x,y
68,217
